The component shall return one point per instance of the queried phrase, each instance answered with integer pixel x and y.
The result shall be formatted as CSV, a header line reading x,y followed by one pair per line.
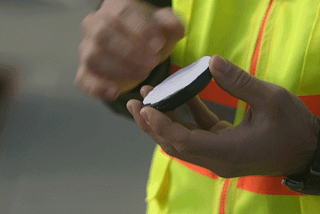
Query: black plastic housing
x,y
182,96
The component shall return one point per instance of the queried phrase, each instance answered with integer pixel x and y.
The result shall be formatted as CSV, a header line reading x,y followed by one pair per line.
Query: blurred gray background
x,y
61,151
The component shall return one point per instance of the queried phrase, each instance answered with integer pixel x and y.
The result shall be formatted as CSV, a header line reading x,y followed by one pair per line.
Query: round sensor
x,y
180,87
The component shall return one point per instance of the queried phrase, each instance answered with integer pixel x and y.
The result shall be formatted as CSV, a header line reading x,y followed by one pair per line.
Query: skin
x,y
125,39
277,137
122,43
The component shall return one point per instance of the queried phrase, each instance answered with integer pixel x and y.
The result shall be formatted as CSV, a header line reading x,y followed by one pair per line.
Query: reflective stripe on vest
x,y
215,94
224,98
288,56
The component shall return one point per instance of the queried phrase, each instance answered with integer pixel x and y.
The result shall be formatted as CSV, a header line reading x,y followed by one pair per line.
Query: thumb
x,y
237,82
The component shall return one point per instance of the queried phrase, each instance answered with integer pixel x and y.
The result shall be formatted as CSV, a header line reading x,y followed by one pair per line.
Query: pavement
x,y
61,151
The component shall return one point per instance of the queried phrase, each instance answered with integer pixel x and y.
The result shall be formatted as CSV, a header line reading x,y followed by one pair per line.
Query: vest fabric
x,y
275,40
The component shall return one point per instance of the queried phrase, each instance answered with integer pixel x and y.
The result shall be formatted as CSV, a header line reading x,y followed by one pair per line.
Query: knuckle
x,y
280,96
242,79
115,8
135,21
141,29
103,31
183,147
78,79
85,22
80,48
84,53
83,48
127,50
87,85
84,25
169,20
91,60
160,131
183,144
145,129
179,33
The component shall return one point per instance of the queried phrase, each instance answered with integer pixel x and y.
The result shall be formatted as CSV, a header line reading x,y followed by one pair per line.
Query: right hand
x,y
122,43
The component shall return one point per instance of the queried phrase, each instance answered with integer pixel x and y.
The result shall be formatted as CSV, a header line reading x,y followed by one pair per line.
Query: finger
x,y
201,114
144,91
196,142
95,85
101,62
114,8
134,107
85,24
172,29
141,28
164,127
176,118
222,125
170,23
108,50
239,83
120,47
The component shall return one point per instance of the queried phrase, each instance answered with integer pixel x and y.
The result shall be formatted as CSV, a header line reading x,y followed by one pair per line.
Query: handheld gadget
x,y
180,87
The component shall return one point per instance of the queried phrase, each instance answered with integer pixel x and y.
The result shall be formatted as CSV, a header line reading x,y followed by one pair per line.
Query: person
x,y
265,68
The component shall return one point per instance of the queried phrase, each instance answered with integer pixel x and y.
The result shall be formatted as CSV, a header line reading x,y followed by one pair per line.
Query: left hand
x,y
277,137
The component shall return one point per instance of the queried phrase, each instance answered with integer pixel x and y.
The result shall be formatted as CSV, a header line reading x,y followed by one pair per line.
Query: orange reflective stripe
x,y
223,197
174,68
256,54
213,92
195,168
265,185
312,102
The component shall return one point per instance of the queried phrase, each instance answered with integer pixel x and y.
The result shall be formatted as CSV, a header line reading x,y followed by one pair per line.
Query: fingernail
x,y
156,44
221,64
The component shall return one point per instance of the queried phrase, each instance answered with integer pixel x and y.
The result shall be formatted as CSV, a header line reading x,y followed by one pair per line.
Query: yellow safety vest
x,y
275,40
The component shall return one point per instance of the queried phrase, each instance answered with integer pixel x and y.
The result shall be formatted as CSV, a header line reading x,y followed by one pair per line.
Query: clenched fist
x,y
122,42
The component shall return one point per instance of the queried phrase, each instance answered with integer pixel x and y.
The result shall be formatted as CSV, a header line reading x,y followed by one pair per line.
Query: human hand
x,y
277,137
122,42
